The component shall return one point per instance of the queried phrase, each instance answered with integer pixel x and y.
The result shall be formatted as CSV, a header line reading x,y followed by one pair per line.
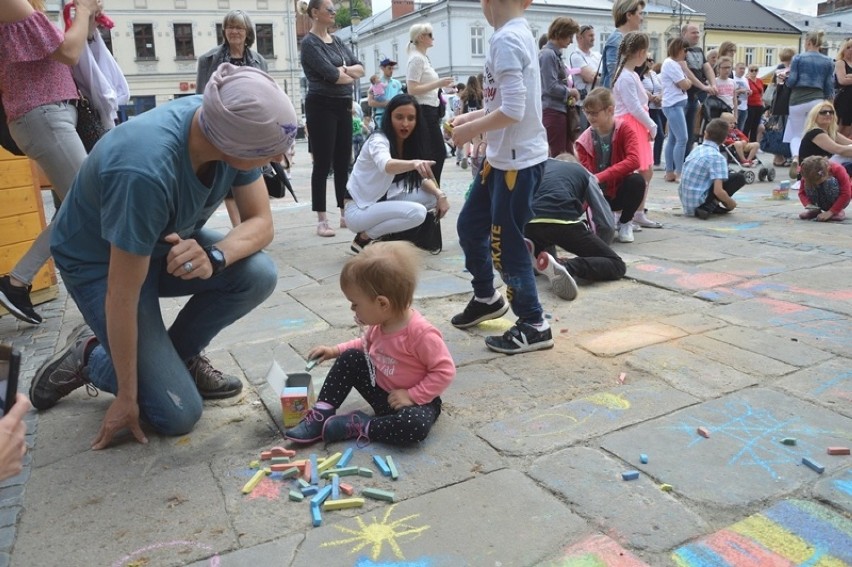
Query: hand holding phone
x,y
13,430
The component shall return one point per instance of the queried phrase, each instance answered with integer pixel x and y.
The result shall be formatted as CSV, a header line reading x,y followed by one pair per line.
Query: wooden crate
x,y
21,220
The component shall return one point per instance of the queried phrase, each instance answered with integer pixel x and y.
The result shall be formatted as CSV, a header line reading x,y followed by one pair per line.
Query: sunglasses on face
x,y
826,112
752,70
331,11
428,34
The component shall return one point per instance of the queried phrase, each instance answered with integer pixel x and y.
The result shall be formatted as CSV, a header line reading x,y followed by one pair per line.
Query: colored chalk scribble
x,y
692,280
555,423
268,489
792,532
759,431
595,551
378,533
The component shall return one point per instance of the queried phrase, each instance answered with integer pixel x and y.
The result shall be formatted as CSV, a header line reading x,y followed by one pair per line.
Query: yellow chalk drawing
x,y
379,533
609,401
496,325
781,541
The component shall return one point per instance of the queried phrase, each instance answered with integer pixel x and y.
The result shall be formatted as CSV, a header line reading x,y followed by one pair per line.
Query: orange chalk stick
x,y
282,452
265,455
347,489
838,450
704,432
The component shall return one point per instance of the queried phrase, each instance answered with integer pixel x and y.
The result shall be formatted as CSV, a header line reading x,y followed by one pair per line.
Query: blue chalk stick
x,y
344,460
643,458
811,464
310,490
314,472
316,517
630,475
383,466
321,496
335,487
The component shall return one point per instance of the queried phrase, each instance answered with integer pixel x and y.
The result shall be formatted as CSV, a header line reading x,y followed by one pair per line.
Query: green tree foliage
x,y
343,18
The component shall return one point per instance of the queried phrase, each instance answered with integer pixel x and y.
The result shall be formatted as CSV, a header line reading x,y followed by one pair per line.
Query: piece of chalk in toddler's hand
x,y
311,363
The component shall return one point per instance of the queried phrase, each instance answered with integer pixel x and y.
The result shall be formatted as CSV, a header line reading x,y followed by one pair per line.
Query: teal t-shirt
x,y
136,187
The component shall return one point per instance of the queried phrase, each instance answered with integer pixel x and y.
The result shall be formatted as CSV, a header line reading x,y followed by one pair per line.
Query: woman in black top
x,y
843,88
331,69
821,138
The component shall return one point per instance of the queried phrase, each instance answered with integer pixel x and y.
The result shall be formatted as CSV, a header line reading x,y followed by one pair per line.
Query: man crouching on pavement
x,y
132,230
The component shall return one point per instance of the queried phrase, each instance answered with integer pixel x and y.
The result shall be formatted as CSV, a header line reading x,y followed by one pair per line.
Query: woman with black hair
x,y
391,189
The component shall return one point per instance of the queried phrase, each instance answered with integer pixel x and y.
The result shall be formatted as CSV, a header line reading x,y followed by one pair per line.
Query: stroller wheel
x,y
770,174
749,176
761,175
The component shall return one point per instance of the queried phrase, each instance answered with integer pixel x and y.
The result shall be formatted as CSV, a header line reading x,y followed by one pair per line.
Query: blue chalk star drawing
x,y
760,432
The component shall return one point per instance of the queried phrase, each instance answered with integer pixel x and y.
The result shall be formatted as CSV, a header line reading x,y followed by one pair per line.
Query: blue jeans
x,y
168,398
491,234
741,119
48,135
678,136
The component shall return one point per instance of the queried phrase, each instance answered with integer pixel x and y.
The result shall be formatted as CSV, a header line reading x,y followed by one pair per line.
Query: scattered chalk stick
x,y
283,467
279,460
255,479
394,472
365,472
348,471
292,472
703,431
316,517
335,487
343,504
303,483
296,496
282,452
813,465
255,464
378,494
788,441
310,490
265,455
666,487
838,450
630,475
321,496
347,489
643,458
622,377
382,465
311,364
314,472
347,456
329,462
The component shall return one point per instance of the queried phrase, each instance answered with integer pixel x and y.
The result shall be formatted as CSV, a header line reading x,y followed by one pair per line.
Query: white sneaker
x,y
561,282
625,232
640,219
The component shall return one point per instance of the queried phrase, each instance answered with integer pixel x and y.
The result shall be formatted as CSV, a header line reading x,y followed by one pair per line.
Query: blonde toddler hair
x,y
389,269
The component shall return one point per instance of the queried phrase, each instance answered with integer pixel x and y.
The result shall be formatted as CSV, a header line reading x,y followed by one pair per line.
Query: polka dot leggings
x,y
407,426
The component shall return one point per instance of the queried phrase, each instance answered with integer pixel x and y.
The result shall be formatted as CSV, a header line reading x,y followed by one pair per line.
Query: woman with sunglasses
x,y
755,104
331,69
821,137
424,85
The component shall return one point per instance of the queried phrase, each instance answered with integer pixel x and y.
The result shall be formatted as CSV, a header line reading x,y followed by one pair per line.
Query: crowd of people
x,y
562,140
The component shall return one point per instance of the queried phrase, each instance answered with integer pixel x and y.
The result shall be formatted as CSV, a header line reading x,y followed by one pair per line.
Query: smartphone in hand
x,y
10,365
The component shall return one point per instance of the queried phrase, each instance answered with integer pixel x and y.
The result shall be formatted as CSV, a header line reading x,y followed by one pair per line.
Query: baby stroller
x,y
764,173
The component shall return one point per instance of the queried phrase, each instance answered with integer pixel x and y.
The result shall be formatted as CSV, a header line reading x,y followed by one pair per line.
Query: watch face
x,y
218,256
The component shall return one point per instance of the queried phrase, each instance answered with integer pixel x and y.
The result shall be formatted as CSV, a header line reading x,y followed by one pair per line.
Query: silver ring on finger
x,y
188,267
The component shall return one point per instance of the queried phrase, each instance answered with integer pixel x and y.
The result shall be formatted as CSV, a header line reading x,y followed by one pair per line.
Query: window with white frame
x,y
376,56
749,56
769,57
534,31
477,39
395,50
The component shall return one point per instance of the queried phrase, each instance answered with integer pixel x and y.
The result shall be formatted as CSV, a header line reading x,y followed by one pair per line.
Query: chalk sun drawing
x,y
556,423
379,533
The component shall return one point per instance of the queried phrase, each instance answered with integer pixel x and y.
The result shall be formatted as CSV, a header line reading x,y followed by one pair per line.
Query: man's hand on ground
x,y
122,414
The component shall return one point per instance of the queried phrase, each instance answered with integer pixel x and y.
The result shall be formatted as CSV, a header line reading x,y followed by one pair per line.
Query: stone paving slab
x,y
791,532
548,429
760,262
625,339
636,513
692,373
824,287
595,551
281,550
828,384
767,343
742,359
451,454
695,323
679,277
92,502
469,524
687,250
743,460
833,335
764,312
837,489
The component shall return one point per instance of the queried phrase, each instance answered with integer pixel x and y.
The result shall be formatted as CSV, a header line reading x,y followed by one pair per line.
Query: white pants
x,y
796,124
400,212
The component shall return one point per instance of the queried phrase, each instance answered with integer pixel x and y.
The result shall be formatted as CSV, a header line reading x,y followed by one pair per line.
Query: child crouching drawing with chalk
x,y
400,364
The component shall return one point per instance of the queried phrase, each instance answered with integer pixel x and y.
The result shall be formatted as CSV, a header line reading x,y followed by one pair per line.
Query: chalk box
x,y
296,392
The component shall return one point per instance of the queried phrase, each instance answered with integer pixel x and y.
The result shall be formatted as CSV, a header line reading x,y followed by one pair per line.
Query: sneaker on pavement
x,y
359,243
625,232
311,426
640,219
347,426
476,312
702,212
17,301
561,282
522,337
464,163
64,372
211,383
324,230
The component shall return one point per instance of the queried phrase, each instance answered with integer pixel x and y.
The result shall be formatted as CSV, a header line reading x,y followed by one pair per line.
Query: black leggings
x,y
595,260
753,122
437,150
329,122
629,196
406,426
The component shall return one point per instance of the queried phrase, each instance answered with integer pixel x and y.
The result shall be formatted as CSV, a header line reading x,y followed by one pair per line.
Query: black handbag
x,y
277,182
6,139
426,236
89,126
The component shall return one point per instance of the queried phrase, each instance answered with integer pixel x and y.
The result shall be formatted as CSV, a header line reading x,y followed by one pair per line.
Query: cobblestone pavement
x,y
738,325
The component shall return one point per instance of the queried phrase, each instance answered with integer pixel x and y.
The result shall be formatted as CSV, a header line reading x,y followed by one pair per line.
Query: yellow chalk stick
x,y
343,504
329,462
258,476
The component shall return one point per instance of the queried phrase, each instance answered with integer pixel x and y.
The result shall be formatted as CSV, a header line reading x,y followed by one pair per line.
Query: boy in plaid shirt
x,y
705,186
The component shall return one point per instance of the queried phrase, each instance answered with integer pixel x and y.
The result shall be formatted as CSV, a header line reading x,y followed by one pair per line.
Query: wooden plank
x,y
16,173
20,228
12,253
18,200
